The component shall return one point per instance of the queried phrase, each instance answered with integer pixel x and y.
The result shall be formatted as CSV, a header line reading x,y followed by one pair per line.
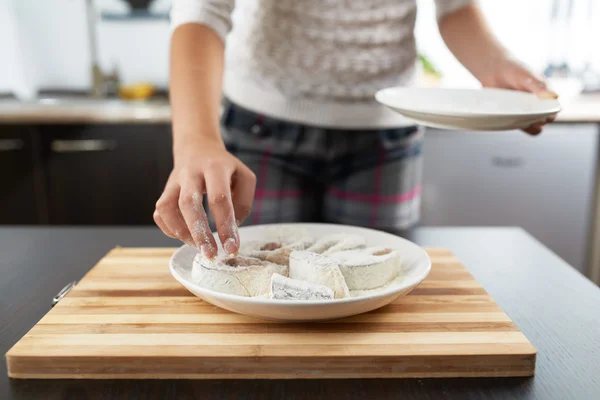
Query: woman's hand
x,y
471,40
510,74
229,185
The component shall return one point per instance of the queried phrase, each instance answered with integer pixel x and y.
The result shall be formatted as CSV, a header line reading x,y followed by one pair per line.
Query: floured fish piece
x,y
279,256
270,245
368,268
337,242
242,276
318,269
283,288
276,252
251,246
370,292
286,234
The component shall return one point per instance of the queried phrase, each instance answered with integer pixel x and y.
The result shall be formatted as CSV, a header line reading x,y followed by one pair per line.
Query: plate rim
x,y
303,303
379,96
470,124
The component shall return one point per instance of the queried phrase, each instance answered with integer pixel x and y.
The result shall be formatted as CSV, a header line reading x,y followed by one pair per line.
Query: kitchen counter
x,y
586,108
82,110
554,306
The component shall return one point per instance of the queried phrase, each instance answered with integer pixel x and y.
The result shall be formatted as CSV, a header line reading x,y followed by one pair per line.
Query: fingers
x,y
529,83
180,211
547,94
538,126
192,210
161,224
534,129
243,187
515,76
168,212
538,87
218,189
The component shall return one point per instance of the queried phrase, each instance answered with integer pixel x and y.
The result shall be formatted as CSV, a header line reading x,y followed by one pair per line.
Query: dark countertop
x,y
555,307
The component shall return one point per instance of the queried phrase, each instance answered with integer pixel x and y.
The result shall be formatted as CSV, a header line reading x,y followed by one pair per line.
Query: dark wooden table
x,y
555,307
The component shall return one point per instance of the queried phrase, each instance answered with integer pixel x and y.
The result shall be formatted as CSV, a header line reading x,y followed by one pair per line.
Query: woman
x,y
301,134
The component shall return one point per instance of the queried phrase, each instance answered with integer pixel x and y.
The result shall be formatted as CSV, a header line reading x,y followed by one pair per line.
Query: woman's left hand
x,y
510,74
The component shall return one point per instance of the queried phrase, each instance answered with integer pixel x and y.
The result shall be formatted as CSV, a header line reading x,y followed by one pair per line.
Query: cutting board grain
x,y
128,318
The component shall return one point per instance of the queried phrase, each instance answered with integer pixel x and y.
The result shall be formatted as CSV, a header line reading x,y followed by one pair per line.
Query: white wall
x,y
50,38
522,26
8,38
57,31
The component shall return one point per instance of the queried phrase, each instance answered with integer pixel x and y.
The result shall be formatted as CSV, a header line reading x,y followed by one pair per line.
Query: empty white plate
x,y
415,263
470,109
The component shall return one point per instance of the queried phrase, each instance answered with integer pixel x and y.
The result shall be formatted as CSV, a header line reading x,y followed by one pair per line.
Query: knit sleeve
x,y
444,7
216,14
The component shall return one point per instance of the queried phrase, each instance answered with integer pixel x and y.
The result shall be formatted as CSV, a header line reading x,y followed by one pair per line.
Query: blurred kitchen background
x,y
85,134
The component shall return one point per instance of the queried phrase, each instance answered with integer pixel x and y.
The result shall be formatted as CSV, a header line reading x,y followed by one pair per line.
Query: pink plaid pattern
x,y
308,174
377,198
261,180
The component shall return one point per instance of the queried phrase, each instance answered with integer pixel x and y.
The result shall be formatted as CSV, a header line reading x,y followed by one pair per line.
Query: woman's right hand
x,y
229,185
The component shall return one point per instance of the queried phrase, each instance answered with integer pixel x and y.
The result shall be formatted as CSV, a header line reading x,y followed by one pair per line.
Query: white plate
x,y
472,109
415,263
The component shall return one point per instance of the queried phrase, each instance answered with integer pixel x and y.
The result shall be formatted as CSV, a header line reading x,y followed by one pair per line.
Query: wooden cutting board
x,y
128,318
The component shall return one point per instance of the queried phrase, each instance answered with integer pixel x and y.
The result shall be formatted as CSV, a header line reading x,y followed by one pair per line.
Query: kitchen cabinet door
x,y
164,149
22,197
544,184
102,174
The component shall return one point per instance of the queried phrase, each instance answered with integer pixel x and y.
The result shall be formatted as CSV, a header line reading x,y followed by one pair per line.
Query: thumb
x,y
539,88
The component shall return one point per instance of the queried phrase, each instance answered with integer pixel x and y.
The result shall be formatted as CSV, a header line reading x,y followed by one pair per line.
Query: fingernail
x,y
230,246
207,251
547,94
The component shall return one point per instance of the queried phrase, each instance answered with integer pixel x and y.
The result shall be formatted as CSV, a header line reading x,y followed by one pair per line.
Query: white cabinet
x,y
544,184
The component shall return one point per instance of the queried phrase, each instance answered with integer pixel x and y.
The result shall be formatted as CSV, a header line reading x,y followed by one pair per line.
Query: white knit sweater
x,y
316,62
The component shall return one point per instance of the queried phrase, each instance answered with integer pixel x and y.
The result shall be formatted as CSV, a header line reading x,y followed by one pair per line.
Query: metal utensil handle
x,y
11,144
85,145
63,292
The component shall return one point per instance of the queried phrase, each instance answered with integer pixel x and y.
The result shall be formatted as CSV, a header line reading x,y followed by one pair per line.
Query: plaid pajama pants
x,y
310,174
